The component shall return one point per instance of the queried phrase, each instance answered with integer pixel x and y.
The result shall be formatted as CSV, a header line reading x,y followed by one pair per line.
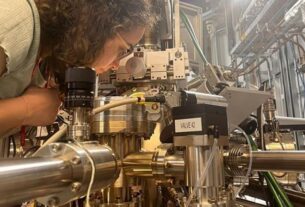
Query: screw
x,y
178,54
154,106
54,201
76,160
56,148
75,187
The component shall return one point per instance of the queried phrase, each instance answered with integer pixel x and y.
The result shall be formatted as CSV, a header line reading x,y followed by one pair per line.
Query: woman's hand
x,y
41,106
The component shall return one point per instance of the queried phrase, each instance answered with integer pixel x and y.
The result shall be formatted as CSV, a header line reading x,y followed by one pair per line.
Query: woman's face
x,y
115,48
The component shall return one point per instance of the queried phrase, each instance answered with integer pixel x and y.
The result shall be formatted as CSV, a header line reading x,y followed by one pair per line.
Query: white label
x,y
188,125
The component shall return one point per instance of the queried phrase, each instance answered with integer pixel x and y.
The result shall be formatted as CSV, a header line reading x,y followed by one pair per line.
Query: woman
x,y
58,34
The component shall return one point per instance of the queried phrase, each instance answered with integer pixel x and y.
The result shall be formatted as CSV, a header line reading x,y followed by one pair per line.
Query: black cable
x,y
289,79
14,146
33,148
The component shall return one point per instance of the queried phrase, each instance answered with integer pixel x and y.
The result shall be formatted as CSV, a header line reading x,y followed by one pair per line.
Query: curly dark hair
x,y
73,32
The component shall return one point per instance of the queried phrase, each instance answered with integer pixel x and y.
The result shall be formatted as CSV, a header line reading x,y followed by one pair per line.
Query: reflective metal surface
x,y
24,179
286,161
143,164
60,173
130,119
79,128
122,144
107,168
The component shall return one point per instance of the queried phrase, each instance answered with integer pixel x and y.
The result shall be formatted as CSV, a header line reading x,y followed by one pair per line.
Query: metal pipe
x,y
60,173
288,161
141,165
24,179
79,128
177,23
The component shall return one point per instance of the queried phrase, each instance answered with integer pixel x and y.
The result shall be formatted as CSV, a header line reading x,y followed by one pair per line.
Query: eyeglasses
x,y
124,53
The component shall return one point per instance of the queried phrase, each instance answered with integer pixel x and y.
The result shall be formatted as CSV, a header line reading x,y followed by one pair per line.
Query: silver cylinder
x,y
129,119
79,128
60,173
237,161
24,179
287,161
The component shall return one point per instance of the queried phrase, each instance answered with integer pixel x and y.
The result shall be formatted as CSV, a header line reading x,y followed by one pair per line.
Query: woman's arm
x,y
12,114
36,107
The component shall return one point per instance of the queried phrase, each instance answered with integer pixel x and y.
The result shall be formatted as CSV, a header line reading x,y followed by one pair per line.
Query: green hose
x,y
276,188
191,32
277,198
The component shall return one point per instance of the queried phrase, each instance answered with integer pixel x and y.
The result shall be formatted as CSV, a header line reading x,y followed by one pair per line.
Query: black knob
x,y
79,87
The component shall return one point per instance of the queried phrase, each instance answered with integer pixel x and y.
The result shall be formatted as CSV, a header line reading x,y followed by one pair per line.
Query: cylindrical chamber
x,y
129,119
24,179
122,144
60,173
79,128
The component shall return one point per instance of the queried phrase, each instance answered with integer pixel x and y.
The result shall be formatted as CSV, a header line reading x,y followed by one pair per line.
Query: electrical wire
x,y
93,170
95,111
250,161
117,103
203,175
245,72
28,151
53,138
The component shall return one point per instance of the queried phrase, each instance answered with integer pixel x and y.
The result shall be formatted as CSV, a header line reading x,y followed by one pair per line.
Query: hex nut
x,y
76,160
76,186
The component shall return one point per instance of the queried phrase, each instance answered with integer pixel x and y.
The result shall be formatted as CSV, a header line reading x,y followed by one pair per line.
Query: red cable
x,y
22,136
